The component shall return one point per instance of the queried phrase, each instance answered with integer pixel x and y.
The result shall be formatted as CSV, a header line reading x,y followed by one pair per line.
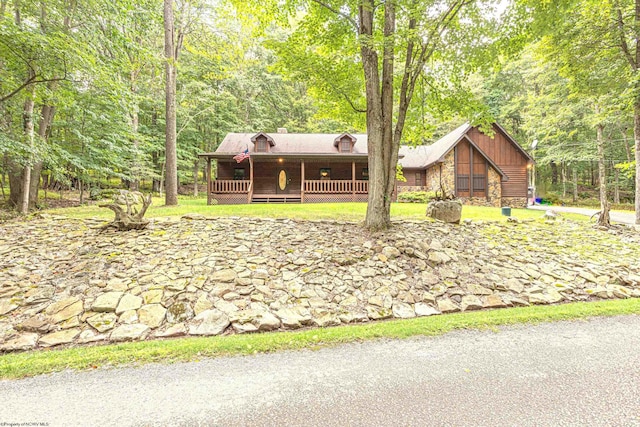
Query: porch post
x,y
302,181
353,181
250,193
208,179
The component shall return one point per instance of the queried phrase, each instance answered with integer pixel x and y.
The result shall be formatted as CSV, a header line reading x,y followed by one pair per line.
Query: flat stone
x,y
151,315
36,324
368,272
254,320
545,298
209,322
202,304
224,276
378,313
129,302
470,302
438,257
179,312
7,306
324,318
153,296
357,316
58,338
423,309
128,317
390,252
24,341
107,302
402,310
294,318
89,336
445,305
476,289
493,301
136,331
102,322
176,330
64,309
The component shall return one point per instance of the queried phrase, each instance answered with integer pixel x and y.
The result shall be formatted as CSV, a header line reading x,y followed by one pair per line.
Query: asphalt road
x,y
621,217
559,374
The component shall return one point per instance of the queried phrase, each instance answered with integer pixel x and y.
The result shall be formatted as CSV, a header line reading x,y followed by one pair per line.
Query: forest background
x,y
82,86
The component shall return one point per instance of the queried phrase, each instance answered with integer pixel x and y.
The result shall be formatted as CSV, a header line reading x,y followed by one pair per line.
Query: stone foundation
x,y
514,202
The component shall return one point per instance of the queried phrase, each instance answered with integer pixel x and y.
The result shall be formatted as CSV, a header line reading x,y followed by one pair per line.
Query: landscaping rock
x,y
209,322
60,337
151,315
107,302
132,332
449,211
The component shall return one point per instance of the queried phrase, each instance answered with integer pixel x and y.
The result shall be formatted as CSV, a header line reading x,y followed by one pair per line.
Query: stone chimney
x,y
282,130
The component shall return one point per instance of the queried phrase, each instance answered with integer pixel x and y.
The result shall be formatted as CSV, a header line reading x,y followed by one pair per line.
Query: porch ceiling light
x,y
280,160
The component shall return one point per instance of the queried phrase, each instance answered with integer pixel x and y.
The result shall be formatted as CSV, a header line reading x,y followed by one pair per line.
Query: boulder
x,y
445,210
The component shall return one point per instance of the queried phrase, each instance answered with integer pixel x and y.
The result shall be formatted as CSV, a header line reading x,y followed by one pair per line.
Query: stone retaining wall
x,y
64,283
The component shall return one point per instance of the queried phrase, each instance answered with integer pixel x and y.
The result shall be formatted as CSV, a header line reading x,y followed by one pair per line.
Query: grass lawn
x,y
335,211
20,365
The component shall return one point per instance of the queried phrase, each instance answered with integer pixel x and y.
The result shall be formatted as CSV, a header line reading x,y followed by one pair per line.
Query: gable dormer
x,y
262,142
344,143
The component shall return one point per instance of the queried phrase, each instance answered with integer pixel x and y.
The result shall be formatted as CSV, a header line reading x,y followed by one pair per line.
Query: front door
x,y
282,186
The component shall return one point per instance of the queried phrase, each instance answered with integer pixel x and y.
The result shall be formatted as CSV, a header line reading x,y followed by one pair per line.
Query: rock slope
x,y
64,283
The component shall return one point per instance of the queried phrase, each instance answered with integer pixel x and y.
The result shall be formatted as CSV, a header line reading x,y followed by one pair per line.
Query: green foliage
x,y
416,196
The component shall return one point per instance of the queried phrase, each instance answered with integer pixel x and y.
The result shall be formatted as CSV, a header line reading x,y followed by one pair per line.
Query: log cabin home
x,y
478,168
310,168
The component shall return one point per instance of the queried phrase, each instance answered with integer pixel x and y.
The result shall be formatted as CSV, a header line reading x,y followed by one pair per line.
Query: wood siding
x,y
414,177
466,181
508,158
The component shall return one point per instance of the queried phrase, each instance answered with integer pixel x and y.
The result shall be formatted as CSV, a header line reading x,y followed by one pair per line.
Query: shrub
x,y
416,196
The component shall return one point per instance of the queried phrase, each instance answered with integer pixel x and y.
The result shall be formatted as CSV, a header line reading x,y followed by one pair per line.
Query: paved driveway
x,y
622,217
584,373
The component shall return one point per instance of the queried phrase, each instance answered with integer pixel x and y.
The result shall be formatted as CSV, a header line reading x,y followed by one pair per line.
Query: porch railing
x,y
336,186
229,186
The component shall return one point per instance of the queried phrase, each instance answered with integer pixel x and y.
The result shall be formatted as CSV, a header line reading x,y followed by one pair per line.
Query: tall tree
x,y
171,57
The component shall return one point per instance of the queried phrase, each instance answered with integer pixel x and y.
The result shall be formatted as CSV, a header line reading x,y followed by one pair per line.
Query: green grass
x,y
32,363
308,211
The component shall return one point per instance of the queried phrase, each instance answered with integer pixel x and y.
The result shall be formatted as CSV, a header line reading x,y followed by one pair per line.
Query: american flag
x,y
240,157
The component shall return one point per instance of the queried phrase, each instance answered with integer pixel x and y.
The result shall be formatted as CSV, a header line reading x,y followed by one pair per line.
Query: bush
x,y
416,196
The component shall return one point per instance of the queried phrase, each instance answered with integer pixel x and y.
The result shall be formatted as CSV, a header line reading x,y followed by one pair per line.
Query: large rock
x,y
128,302
179,312
423,309
64,309
7,306
136,331
295,317
445,210
24,341
253,320
60,337
152,315
107,302
102,322
209,322
402,310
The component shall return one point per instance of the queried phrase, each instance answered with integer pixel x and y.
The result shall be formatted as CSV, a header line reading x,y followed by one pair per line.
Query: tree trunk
x,y
554,173
636,136
563,169
196,169
171,183
29,135
602,177
616,183
134,184
575,184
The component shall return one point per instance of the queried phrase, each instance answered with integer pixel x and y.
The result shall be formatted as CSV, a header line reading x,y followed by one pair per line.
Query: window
x,y
238,174
478,183
418,179
325,173
365,174
345,145
463,183
262,146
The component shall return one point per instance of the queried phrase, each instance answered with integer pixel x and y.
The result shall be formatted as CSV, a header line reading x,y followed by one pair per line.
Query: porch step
x,y
276,199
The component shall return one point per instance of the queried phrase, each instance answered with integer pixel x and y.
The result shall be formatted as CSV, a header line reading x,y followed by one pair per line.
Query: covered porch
x,y
265,178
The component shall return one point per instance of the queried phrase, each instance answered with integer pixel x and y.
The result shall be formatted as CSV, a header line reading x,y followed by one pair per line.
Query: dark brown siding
x,y
504,154
414,177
